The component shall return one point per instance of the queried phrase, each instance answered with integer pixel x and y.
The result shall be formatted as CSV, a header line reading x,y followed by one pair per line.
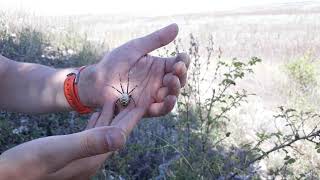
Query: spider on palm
x,y
126,97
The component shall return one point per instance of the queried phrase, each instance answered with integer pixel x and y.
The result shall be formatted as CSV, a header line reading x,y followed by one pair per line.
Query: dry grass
x,y
276,38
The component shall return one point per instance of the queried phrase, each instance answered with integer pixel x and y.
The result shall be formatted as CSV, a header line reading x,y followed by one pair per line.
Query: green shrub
x,y
187,144
58,50
303,72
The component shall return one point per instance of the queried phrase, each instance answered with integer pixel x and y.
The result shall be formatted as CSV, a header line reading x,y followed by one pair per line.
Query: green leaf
x,y
291,161
184,94
227,75
228,82
224,109
239,75
254,60
238,64
290,110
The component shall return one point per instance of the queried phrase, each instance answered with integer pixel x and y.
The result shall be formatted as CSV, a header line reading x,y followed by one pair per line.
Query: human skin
x,y
159,79
75,156
34,88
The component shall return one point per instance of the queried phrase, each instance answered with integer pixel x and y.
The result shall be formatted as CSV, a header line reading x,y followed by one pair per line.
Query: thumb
x,y
54,152
153,41
84,144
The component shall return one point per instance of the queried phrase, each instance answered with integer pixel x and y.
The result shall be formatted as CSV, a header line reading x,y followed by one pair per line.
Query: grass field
x,y
286,38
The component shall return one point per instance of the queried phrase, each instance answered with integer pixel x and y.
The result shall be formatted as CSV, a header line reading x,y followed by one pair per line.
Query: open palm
x,y
156,80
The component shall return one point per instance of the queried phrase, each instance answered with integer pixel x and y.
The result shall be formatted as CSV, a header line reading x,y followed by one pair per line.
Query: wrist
x,y
71,92
86,86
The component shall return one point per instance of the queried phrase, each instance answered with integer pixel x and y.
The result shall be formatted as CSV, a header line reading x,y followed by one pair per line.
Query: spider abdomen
x,y
124,100
126,96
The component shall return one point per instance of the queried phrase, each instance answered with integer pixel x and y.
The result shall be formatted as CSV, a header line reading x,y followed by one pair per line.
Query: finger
x,y
93,120
153,41
180,70
129,121
162,93
106,115
160,109
172,82
125,121
181,57
80,169
55,152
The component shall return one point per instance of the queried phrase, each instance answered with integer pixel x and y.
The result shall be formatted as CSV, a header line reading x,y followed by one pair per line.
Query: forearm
x,y
31,88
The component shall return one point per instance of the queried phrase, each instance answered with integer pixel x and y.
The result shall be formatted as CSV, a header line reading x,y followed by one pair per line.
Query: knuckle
x,y
88,145
166,79
184,57
115,139
180,68
175,81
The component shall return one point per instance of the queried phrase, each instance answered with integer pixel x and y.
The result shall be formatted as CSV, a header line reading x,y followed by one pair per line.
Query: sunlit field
x,y
278,91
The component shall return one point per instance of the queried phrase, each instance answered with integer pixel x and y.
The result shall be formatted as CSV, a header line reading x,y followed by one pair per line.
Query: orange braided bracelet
x,y
71,92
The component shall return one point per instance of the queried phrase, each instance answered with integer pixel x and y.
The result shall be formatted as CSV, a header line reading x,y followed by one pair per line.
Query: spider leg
x,y
114,88
116,110
121,83
133,89
116,103
134,102
128,83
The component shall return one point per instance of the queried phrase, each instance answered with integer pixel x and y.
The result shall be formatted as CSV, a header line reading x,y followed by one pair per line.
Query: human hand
x,y
159,79
74,156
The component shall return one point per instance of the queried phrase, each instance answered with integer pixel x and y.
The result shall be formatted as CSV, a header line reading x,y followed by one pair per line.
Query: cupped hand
x,y
155,82
74,156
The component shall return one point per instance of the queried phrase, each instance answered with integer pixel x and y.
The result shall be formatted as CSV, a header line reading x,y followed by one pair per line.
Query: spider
x,y
126,97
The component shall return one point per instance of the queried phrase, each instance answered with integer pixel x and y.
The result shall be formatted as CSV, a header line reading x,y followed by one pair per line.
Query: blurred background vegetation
x,y
249,110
